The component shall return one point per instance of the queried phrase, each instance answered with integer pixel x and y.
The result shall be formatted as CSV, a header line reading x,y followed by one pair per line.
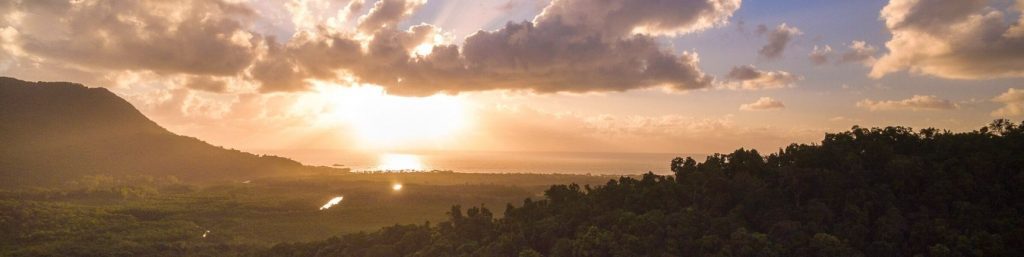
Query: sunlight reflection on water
x,y
493,162
332,202
399,162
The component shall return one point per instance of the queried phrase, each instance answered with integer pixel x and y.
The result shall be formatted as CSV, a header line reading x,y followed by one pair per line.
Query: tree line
x,y
887,191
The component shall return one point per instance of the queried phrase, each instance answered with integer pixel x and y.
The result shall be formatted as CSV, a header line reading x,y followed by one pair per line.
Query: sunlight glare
x,y
331,203
396,187
428,47
423,49
398,162
381,121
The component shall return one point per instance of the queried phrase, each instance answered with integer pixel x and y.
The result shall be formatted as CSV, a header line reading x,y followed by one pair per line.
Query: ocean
x,y
490,162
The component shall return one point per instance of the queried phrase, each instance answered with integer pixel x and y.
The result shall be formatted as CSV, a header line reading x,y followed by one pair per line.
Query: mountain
x,y
57,131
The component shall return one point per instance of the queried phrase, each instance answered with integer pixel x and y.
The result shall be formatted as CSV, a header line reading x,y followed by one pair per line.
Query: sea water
x,y
490,162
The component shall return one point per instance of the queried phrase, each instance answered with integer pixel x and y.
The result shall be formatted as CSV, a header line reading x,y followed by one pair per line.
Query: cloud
x,y
1017,31
250,121
843,119
915,103
952,39
511,5
205,83
778,40
199,67
519,128
572,46
859,52
763,104
1013,103
310,15
286,67
761,29
302,121
618,18
748,77
820,55
353,8
188,36
387,13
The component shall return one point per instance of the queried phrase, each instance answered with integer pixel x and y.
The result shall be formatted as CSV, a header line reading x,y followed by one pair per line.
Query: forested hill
x,y
54,131
865,192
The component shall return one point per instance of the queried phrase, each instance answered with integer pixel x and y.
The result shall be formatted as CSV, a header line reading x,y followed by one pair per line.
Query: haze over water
x,y
491,162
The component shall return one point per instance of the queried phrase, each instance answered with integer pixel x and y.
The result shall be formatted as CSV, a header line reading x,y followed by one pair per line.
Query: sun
x,y
382,121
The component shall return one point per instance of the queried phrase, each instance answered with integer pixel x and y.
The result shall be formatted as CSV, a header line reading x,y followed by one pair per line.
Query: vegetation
x,y
164,216
865,192
53,131
128,187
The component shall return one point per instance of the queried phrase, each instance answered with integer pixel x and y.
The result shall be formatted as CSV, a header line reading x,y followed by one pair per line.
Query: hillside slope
x,y
54,131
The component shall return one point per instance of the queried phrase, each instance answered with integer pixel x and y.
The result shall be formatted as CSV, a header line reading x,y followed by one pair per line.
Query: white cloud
x,y
856,52
820,55
748,77
387,13
915,103
859,52
1013,103
956,39
843,119
763,104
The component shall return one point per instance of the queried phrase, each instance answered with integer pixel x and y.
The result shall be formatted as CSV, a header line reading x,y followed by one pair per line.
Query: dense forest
x,y
864,192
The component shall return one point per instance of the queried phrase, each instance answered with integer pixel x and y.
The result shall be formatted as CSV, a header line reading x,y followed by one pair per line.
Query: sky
x,y
646,76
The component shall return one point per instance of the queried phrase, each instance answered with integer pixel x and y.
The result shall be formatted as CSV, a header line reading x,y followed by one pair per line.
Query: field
x,y
141,212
